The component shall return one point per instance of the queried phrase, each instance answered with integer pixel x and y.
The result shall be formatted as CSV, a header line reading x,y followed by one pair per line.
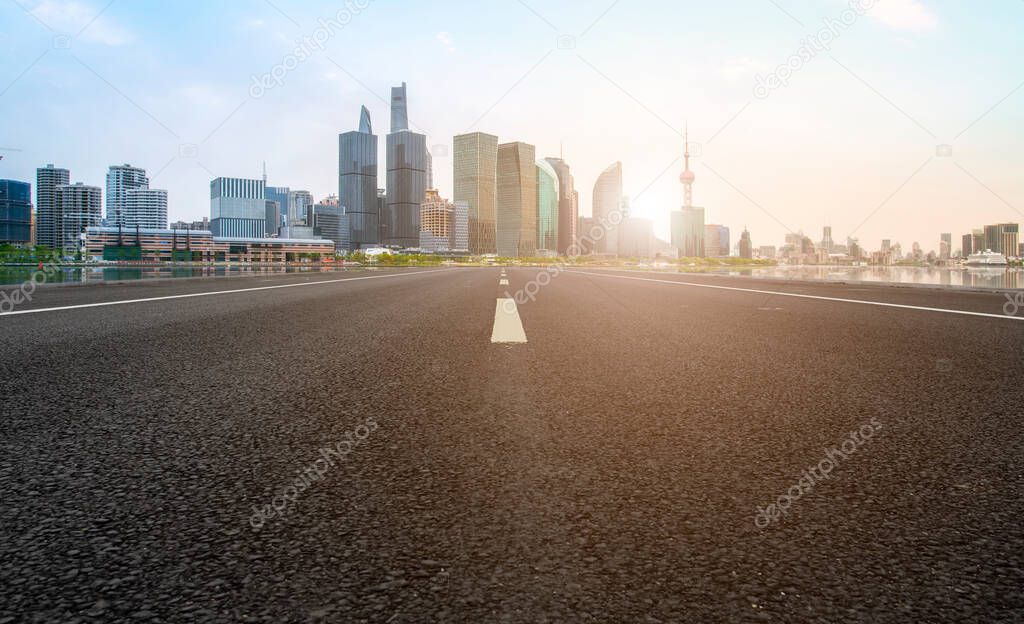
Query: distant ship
x,y
986,258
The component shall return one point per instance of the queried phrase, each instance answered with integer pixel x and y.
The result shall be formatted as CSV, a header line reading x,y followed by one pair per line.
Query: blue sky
x,y
851,140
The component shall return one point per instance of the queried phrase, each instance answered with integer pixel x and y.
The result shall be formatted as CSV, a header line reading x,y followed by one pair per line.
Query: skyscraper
x,y
945,246
120,180
716,240
547,207
406,176
15,212
517,200
966,245
357,182
399,109
299,205
747,247
568,205
688,224
1009,238
826,239
607,200
475,168
47,214
79,206
238,207
278,195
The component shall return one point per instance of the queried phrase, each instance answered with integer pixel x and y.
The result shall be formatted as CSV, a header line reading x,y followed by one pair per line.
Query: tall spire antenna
x,y
687,176
264,173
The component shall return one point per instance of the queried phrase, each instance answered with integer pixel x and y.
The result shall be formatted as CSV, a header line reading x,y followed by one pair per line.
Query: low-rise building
x,y
121,244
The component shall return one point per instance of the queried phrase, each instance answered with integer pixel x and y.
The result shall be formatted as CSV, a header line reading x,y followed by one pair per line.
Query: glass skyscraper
x,y
517,200
15,212
407,177
476,158
568,206
607,200
238,207
357,183
547,207
278,195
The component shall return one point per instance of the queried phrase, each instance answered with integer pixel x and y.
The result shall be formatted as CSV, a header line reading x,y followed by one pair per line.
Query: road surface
x,y
356,447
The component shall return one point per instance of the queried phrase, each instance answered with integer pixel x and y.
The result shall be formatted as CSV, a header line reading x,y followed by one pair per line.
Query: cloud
x,y
71,16
446,40
910,15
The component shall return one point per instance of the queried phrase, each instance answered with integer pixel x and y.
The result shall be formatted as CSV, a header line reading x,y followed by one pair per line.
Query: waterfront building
x,y
357,182
568,206
238,207
127,206
278,195
945,246
475,168
516,200
187,245
79,206
332,222
1009,238
747,247
716,241
606,208
15,212
47,213
548,202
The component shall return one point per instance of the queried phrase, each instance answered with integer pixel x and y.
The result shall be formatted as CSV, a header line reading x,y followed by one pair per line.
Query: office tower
x,y
1009,238
406,176
716,240
826,239
299,204
966,245
79,206
47,215
517,200
238,208
548,201
607,200
273,217
278,195
993,238
399,109
978,241
120,180
144,208
332,222
636,238
475,168
15,212
945,246
747,247
357,182
460,233
687,224
568,205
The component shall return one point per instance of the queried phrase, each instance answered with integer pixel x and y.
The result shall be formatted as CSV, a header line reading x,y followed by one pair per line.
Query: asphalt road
x,y
611,469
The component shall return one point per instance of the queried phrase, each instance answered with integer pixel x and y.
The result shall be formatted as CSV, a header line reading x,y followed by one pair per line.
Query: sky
x,y
900,120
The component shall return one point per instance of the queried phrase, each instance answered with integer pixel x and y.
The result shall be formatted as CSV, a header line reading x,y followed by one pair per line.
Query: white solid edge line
x,y
218,292
818,297
508,327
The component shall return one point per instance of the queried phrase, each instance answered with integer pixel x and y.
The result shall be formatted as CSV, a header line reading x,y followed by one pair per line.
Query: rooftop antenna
x,y
264,173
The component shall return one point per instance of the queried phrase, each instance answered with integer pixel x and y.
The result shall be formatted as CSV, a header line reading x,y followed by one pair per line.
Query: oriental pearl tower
x,y
687,177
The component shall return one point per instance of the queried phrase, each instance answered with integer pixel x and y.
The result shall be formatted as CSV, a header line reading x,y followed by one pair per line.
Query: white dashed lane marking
x,y
508,327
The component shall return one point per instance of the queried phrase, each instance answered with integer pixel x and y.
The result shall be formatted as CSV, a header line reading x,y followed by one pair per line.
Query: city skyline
x,y
886,176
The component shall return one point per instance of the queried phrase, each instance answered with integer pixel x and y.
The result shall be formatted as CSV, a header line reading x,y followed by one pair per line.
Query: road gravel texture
x,y
609,470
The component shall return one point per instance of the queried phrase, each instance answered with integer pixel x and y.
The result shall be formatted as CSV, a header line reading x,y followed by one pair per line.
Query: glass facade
x,y
357,185
517,200
476,159
607,198
568,208
407,187
15,212
547,207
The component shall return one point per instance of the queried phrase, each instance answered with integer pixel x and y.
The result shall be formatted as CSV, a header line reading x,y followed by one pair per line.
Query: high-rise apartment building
x,y
475,168
48,178
547,207
357,182
517,200
120,180
1009,238
145,208
444,226
607,206
238,207
966,245
79,206
15,212
994,238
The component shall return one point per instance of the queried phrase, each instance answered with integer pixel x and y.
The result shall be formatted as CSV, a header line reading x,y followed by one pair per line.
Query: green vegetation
x,y
9,254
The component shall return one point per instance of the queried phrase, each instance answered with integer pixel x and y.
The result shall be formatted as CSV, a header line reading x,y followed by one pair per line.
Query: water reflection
x,y
17,275
997,278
